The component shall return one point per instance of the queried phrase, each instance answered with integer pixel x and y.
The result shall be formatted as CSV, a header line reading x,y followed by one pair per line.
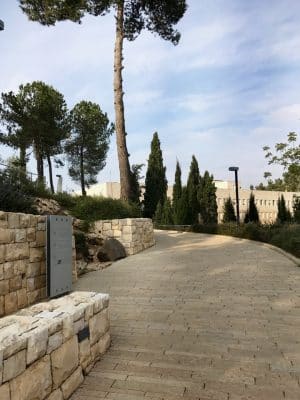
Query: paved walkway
x,y
199,317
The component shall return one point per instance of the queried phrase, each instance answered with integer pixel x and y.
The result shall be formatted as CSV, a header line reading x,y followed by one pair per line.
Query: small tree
x,y
192,190
208,199
177,192
156,182
283,214
167,213
296,210
88,145
228,210
252,213
182,217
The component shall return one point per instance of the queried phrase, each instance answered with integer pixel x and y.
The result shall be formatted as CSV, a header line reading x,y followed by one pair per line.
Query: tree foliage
x,y
89,142
228,210
287,155
37,115
252,213
135,185
156,182
296,210
283,214
182,215
207,199
177,192
192,190
132,16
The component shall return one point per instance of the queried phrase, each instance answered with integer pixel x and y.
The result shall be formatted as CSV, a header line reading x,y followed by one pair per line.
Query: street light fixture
x,y
235,169
1,25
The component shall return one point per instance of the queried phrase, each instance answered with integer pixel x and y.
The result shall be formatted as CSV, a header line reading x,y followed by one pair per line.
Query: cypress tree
x,y
167,213
252,213
192,191
158,213
177,192
208,199
283,214
296,209
183,207
156,182
228,210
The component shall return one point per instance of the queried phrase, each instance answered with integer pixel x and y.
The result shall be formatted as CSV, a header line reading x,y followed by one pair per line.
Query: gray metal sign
x,y
59,255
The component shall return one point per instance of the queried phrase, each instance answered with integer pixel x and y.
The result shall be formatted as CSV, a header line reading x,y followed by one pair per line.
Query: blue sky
x,y
231,86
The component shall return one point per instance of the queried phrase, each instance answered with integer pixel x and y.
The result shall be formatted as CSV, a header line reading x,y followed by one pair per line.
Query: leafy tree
x,y
296,210
207,199
131,17
228,210
37,115
182,215
284,214
89,142
177,192
252,213
135,186
192,190
156,182
288,156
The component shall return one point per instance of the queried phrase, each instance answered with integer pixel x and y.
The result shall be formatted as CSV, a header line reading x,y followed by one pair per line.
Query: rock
x,y
4,392
48,206
99,325
111,250
64,361
14,365
72,383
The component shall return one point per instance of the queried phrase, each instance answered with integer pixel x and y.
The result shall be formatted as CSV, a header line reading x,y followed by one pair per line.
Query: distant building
x,y
266,200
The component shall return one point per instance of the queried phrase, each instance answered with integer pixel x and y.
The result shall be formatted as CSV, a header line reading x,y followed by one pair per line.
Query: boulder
x,y
111,250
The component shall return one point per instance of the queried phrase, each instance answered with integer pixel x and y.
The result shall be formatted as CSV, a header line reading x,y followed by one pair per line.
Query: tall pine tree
x,y
192,190
156,182
207,199
252,213
177,192
283,214
183,207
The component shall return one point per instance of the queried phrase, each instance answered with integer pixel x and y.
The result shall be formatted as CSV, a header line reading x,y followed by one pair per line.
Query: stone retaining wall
x,y
46,349
22,261
136,234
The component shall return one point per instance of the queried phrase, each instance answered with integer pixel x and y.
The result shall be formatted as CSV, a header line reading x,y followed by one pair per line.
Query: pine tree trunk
x,y
124,166
50,174
82,173
23,159
39,164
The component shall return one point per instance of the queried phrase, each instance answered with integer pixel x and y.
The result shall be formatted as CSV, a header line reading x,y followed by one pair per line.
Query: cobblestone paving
x,y
199,317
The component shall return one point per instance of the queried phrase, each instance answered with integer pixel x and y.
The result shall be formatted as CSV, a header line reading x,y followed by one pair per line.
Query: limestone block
x,y
117,233
99,325
64,361
1,272
6,236
30,235
8,270
15,283
14,365
20,267
2,306
103,344
41,226
85,357
35,383
4,287
16,251
33,297
43,268
37,344
99,302
56,395
13,346
24,221
13,220
37,282
78,325
10,302
22,298
54,342
20,235
106,226
33,221
72,383
127,237
40,238
2,252
5,392
89,312
37,254
68,327
33,269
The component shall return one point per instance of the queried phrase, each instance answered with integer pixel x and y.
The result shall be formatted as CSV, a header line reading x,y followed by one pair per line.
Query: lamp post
x,y
235,169
1,25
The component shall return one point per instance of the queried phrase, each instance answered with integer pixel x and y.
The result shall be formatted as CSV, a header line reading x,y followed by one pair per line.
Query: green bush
x,y
95,208
285,236
12,198
81,244
65,199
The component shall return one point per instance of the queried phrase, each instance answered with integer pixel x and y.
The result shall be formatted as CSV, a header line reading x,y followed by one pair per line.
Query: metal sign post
x,y
59,255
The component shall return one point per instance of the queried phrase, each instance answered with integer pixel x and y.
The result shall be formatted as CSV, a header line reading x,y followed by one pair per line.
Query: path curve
x,y
199,317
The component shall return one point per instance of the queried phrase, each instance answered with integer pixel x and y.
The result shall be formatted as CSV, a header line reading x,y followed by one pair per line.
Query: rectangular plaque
x,y
59,255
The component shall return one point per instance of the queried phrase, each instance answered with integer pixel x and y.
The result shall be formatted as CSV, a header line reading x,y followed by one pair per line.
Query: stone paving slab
x,y
199,317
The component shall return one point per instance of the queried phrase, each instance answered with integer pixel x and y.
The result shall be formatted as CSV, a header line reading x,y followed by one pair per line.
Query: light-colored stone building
x,y
266,201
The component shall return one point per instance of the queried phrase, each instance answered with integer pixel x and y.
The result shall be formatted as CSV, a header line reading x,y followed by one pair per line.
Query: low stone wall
x,y
46,349
22,261
136,234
